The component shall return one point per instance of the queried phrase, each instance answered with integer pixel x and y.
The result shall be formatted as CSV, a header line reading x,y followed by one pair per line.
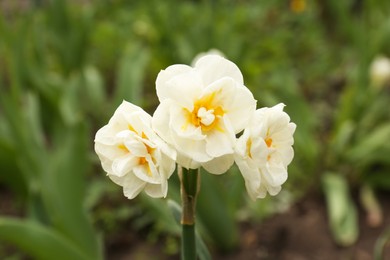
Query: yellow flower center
x,y
124,148
206,114
142,160
268,141
249,147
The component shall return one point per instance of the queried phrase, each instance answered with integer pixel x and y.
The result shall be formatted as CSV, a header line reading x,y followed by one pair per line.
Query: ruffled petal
x,y
147,173
214,67
132,186
175,81
195,149
219,165
274,190
187,162
218,144
241,109
123,165
275,173
160,119
156,191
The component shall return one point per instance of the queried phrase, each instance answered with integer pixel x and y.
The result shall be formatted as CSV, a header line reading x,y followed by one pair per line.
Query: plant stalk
x,y
189,188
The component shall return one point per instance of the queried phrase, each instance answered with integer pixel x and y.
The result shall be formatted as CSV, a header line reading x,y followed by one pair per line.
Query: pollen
x,y
131,128
206,114
143,161
249,147
268,141
123,148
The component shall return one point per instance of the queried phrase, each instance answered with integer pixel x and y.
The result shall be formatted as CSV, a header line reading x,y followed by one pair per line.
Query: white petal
x,y
181,126
259,151
167,166
140,121
195,149
159,121
240,147
219,165
108,152
136,148
274,190
123,165
286,155
144,173
241,109
252,191
132,186
187,162
165,149
219,143
156,190
165,76
249,171
120,118
223,89
184,89
214,67
105,136
261,191
275,173
209,52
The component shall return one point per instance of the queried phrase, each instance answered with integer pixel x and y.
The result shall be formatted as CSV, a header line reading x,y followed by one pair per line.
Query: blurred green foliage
x,y
65,66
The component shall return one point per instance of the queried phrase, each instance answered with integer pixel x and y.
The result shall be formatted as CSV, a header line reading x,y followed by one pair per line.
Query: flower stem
x,y
189,186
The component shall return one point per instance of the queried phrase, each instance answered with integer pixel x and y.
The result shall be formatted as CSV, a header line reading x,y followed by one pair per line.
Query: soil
x,y
300,233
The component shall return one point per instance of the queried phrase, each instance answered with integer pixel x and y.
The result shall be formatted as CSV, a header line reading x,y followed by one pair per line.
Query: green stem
x,y
189,186
188,245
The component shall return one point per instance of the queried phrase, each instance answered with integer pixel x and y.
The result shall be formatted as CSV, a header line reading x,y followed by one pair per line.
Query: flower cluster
x,y
202,110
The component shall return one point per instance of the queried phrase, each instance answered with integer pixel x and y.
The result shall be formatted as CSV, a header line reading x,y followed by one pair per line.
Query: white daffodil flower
x,y
380,71
201,110
265,150
132,154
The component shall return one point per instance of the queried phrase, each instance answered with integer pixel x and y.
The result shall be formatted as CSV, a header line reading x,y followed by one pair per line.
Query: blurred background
x,y
66,65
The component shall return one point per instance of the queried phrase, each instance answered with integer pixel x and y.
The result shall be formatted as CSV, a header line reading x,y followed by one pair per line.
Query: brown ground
x,y
301,233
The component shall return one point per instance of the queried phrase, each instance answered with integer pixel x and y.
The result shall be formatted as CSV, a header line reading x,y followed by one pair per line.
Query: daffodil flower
x,y
132,154
201,110
380,71
264,151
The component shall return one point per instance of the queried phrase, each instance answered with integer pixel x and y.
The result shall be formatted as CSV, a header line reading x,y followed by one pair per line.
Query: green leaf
x,y
38,241
341,209
363,151
213,211
343,137
94,90
63,187
155,208
70,104
175,209
380,244
131,74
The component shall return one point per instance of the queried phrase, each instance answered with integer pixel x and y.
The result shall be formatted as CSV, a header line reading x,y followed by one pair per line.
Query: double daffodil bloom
x,y
132,154
201,110
265,150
